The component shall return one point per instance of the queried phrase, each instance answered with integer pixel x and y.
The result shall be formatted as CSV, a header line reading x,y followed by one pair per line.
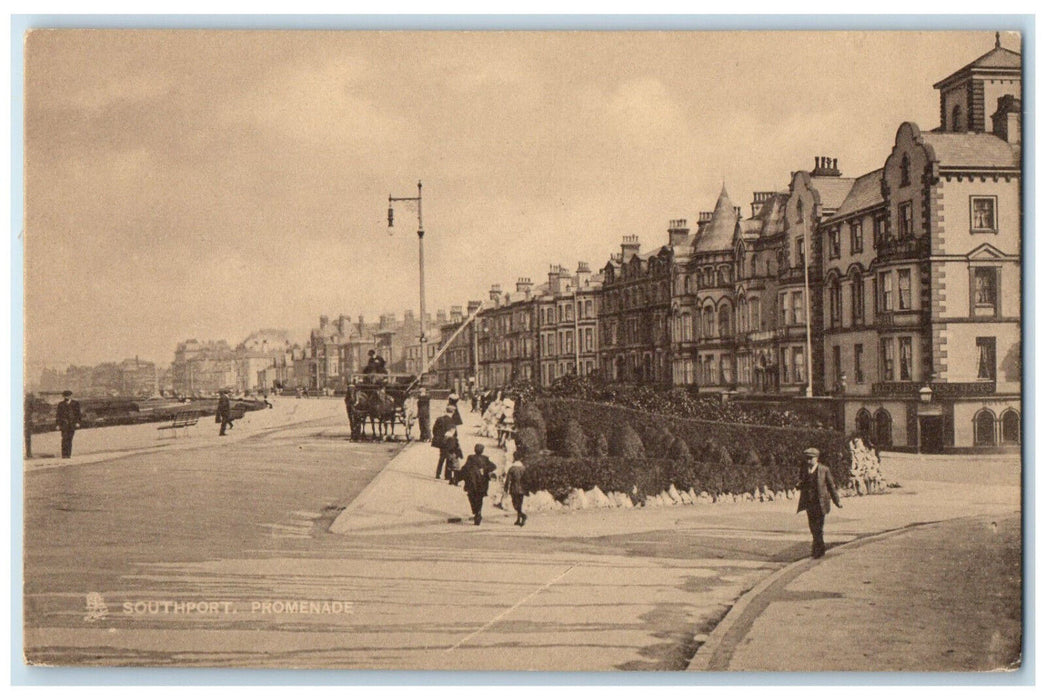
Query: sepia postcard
x,y
523,350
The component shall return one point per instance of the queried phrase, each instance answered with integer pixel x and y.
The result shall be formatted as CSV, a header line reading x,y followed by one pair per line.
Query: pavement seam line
x,y
714,655
518,603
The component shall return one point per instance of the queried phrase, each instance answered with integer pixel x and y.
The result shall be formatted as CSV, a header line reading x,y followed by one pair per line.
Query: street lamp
x,y
421,266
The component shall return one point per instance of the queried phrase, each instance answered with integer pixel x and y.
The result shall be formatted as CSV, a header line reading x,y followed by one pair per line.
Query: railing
x,y
908,318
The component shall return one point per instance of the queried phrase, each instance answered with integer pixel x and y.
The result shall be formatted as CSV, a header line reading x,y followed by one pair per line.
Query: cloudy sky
x,y
206,184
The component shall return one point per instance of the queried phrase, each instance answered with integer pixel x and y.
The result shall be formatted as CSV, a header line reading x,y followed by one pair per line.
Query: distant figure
x,y
816,494
452,401
224,415
68,420
265,398
452,448
375,364
410,413
27,426
476,475
514,488
424,413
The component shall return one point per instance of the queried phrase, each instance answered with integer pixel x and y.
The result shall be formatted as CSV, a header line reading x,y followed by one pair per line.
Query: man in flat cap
x,y
816,494
67,416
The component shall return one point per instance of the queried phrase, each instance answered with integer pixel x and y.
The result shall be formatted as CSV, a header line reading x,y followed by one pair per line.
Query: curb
x,y
718,649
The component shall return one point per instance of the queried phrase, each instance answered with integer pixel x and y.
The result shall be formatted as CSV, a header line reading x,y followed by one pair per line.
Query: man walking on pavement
x,y
476,475
443,425
224,411
514,488
816,494
68,420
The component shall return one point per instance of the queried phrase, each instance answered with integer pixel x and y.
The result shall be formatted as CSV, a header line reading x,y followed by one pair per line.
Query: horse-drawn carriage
x,y
385,400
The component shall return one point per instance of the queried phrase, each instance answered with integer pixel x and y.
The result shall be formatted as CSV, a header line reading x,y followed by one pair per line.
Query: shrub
x,y
573,442
529,415
600,448
679,452
528,443
624,441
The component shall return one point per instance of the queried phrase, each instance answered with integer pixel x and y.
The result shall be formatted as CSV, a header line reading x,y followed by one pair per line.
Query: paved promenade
x,y
286,508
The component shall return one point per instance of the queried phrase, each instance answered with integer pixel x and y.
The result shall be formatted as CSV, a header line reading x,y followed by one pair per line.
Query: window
x,y
879,232
886,358
857,301
859,363
906,170
800,253
856,238
885,291
724,321
984,428
786,366
982,215
709,322
904,346
797,308
833,243
783,311
956,118
904,289
986,358
837,365
985,292
904,220
835,302
1011,427
799,211
800,365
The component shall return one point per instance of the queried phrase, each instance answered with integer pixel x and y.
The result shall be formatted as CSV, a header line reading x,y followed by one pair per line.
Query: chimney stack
x,y
1006,122
826,167
704,217
523,286
677,232
629,247
495,294
758,200
456,315
473,306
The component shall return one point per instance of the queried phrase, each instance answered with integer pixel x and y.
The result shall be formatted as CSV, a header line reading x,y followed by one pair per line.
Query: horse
x,y
377,405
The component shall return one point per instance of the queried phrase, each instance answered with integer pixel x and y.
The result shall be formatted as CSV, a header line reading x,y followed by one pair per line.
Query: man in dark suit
x,y
68,420
476,475
423,413
816,494
443,425
224,411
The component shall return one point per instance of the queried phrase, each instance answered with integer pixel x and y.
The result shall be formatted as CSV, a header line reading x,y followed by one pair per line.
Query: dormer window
x,y
906,167
957,118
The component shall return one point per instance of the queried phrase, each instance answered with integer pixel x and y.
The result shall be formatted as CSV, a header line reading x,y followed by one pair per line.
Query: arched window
x,y
856,300
863,424
984,428
906,167
1011,427
709,322
686,327
724,321
883,429
956,118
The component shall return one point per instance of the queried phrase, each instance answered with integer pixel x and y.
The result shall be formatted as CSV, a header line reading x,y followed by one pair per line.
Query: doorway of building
x,y
931,434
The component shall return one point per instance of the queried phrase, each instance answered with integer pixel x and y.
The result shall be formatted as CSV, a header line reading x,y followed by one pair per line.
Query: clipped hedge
x,y
650,452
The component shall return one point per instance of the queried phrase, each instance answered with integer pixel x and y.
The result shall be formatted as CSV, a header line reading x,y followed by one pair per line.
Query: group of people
x,y
478,470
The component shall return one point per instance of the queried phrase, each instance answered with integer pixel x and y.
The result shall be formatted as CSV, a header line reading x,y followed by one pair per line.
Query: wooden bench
x,y
186,419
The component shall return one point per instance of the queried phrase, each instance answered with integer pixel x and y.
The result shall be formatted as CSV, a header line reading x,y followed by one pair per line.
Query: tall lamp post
x,y
421,268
